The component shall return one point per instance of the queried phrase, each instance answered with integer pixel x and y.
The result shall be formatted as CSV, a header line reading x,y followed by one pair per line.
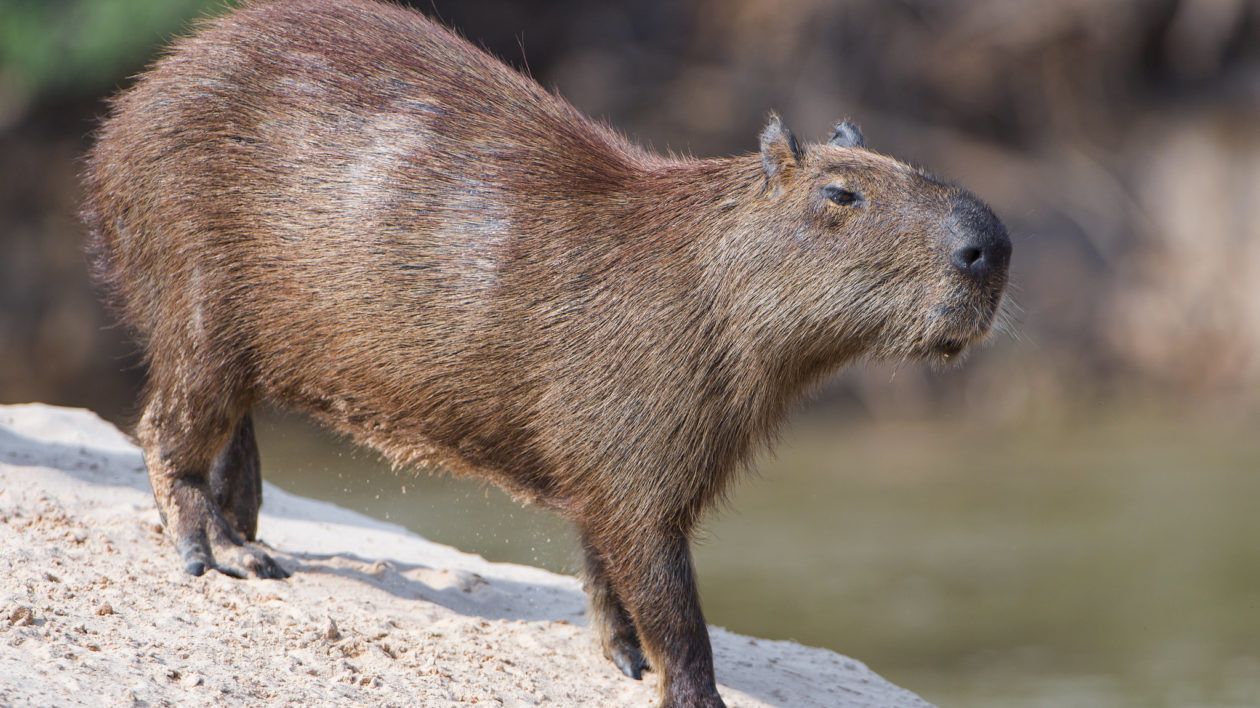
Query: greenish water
x,y
1111,561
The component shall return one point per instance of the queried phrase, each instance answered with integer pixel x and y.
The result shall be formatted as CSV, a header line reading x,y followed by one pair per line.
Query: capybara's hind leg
x,y
181,440
236,480
610,618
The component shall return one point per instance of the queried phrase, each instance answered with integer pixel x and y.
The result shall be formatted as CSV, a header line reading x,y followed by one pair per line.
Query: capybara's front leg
x,y
652,573
180,443
609,616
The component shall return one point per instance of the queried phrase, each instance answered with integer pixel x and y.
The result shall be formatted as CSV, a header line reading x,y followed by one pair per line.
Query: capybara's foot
x,y
628,656
205,540
237,560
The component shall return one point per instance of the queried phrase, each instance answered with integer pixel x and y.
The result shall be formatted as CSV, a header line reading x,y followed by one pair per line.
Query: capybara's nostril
x,y
978,243
969,258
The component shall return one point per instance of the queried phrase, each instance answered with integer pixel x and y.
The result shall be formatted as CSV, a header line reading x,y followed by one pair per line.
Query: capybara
x,y
343,208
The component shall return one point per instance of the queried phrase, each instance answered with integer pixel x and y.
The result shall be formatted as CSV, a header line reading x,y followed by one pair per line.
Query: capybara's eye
x,y
841,196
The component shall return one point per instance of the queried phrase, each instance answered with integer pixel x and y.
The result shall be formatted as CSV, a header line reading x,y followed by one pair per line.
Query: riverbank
x,y
94,609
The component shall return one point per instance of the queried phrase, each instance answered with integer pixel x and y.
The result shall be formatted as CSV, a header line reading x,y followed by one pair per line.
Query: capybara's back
x,y
263,178
343,208
327,222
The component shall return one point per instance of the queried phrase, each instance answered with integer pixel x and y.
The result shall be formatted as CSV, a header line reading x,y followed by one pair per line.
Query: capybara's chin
x,y
952,331
964,325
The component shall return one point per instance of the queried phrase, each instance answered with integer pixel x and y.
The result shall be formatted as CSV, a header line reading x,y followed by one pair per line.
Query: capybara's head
x,y
872,256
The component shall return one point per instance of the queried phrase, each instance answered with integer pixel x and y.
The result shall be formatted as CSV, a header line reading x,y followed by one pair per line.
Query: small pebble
x,y
22,616
332,634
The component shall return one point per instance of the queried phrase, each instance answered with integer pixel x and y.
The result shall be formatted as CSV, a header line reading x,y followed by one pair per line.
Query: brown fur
x,y
343,208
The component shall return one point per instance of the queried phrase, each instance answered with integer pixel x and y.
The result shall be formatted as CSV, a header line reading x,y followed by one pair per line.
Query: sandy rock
x,y
97,611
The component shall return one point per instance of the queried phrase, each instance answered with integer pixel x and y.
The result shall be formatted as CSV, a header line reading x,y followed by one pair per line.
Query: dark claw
x,y
195,555
631,662
232,572
269,568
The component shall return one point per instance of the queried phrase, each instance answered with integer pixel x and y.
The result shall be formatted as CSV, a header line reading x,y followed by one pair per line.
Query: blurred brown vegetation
x,y
1117,138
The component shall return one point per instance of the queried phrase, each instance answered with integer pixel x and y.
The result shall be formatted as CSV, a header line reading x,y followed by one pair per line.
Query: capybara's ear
x,y
780,153
847,135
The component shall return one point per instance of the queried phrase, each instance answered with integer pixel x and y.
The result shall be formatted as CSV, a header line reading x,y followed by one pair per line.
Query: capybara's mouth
x,y
948,348
964,320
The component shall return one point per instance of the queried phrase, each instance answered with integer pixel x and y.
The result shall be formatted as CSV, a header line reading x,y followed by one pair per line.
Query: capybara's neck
x,y
692,244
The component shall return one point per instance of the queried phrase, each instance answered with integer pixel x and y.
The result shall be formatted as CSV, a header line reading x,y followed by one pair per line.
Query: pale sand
x,y
95,610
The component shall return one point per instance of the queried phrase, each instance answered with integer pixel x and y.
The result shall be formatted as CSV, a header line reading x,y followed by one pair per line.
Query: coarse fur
x,y
341,207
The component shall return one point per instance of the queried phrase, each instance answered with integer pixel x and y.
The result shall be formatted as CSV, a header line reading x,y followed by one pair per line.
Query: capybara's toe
x,y
630,660
246,561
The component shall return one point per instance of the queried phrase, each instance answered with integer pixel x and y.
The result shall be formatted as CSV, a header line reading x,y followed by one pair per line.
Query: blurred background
x,y
1069,518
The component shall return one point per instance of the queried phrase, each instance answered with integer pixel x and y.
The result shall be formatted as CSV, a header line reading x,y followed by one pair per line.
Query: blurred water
x,y
1100,560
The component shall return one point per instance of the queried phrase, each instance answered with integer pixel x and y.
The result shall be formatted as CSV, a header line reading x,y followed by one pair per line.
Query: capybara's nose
x,y
978,243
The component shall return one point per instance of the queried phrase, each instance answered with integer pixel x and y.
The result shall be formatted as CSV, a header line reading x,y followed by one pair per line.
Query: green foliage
x,y
72,47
